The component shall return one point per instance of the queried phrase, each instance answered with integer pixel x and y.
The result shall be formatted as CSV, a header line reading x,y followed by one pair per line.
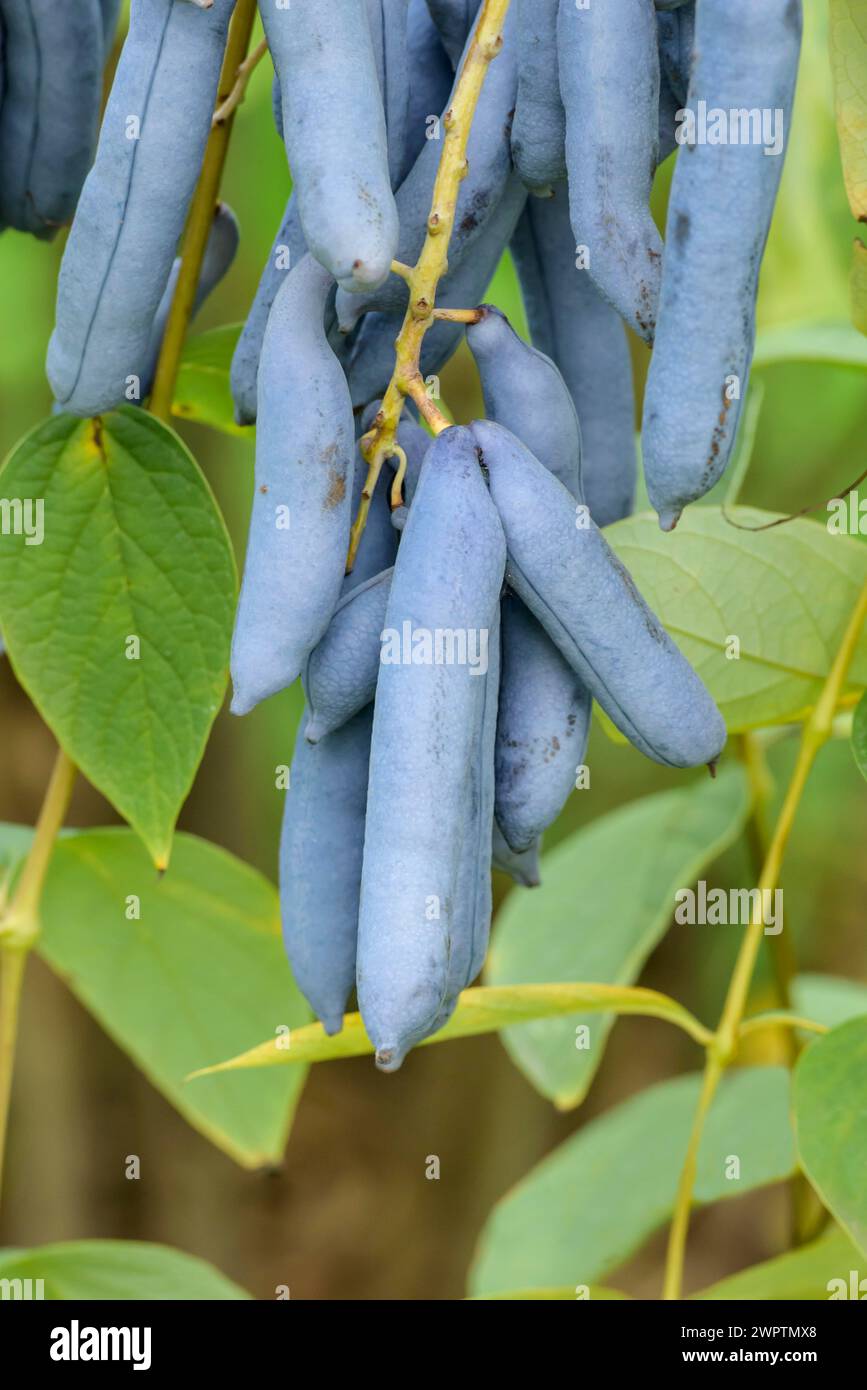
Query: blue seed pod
x,y
668,109
220,252
609,79
562,567
544,707
746,62
388,31
334,128
539,129
288,249
371,360
543,730
340,678
471,923
299,527
428,718
50,112
454,19
134,203
321,849
430,79
573,325
481,192
523,868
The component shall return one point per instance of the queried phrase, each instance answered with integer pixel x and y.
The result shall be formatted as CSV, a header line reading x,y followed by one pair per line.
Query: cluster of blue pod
x,y
449,678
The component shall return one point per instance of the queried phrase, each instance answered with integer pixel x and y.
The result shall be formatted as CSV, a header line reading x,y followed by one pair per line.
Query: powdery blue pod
x,y
289,247
471,923
668,123
134,202
220,252
50,112
388,32
609,79
481,192
544,707
524,390
573,325
371,360
539,129
321,849
430,77
427,723
544,725
340,676
719,215
571,580
299,527
522,868
334,129
454,19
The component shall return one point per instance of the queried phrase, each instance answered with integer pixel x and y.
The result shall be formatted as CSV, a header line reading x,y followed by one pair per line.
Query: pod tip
x,y
712,767
314,731
669,518
332,1024
389,1057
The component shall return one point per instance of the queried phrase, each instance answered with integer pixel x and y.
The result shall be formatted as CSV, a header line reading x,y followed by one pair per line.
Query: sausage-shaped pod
x,y
388,32
545,708
334,129
50,112
609,79
134,202
430,79
539,128
321,850
454,19
288,249
341,673
481,191
719,215
521,868
569,577
571,323
299,527
428,717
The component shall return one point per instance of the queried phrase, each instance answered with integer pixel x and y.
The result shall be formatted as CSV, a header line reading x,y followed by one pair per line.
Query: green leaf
x,y
607,898
122,1269
828,999
859,735
479,1011
848,45
823,342
134,547
830,1102
203,392
703,580
588,1206
802,1274
199,974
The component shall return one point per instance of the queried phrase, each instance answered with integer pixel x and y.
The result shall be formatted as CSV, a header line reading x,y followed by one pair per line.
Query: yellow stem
x,y
201,217
458,315
759,1022
817,730
19,926
432,264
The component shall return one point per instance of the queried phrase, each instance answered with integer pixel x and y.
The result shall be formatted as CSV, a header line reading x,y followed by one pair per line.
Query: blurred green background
x,y
351,1214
